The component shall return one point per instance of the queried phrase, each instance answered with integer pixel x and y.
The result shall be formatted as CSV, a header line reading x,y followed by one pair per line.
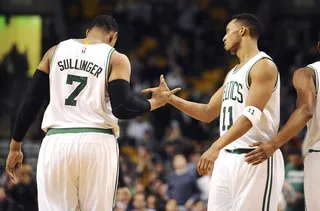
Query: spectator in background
x,y
174,78
294,176
3,88
172,205
203,186
199,206
143,164
152,202
139,203
5,202
24,193
182,183
16,67
139,187
137,129
123,199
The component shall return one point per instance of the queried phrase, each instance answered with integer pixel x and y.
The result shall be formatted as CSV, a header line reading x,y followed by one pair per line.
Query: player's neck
x,y
93,39
247,51
94,36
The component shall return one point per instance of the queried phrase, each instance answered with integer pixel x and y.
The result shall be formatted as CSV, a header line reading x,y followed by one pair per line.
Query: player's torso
x,y
78,95
313,133
236,90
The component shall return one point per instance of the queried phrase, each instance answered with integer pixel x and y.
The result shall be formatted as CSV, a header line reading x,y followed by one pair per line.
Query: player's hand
x,y
15,157
206,162
161,94
263,151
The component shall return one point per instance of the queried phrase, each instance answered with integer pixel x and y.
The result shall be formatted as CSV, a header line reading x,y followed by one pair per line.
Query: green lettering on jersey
x,y
233,90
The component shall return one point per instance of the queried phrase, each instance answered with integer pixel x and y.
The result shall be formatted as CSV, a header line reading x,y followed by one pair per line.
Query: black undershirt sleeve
x,y
37,91
124,105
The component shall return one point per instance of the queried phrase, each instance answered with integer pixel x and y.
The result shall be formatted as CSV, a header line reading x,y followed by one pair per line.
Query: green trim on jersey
x,y
53,55
53,131
108,65
316,77
268,188
235,70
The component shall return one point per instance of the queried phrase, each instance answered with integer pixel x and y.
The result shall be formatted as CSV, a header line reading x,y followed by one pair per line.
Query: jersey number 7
x,y
70,101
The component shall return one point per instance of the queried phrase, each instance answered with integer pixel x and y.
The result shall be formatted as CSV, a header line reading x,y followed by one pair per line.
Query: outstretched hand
x,y
161,94
263,151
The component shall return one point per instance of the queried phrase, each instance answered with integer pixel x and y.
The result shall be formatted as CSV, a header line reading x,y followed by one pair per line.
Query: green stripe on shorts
x,y
271,172
53,131
265,203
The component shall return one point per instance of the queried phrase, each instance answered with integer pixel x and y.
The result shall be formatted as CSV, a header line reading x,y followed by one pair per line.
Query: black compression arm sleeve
x,y
37,91
124,105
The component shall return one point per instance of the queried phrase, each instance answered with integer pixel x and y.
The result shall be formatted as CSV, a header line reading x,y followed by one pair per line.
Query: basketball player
x,y
307,112
89,89
248,104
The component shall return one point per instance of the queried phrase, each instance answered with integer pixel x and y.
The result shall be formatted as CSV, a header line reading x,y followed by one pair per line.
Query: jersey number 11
x,y
230,119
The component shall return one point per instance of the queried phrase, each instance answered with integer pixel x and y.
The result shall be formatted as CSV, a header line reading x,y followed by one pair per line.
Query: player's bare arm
x,y
29,108
124,105
263,79
203,112
303,82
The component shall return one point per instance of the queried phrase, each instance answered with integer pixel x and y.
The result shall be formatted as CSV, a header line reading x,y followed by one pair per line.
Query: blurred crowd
x,y
159,151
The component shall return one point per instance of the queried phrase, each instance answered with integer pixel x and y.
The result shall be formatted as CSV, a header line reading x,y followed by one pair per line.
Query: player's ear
x,y
87,32
113,38
242,30
318,45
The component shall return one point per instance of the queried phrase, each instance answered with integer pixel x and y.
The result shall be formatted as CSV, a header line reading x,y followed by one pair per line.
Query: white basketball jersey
x,y
236,90
78,87
313,134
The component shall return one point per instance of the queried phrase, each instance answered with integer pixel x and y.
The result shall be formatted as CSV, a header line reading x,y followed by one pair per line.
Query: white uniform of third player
x,y
236,185
81,131
312,159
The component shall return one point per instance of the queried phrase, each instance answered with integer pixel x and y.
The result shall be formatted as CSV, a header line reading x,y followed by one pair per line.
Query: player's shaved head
x,y
251,22
106,23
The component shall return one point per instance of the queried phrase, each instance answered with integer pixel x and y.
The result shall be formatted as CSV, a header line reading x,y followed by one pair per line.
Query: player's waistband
x,y
53,131
239,150
313,150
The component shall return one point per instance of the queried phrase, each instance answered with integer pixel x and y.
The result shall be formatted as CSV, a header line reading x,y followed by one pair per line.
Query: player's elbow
x,y
307,112
120,112
307,115
208,117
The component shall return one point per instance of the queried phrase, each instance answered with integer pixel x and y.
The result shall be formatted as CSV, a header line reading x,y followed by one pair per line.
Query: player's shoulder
x,y
265,66
118,58
50,52
303,72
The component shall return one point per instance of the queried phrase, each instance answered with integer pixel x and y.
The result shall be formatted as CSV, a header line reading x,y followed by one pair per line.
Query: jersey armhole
x,y
315,78
107,75
248,81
